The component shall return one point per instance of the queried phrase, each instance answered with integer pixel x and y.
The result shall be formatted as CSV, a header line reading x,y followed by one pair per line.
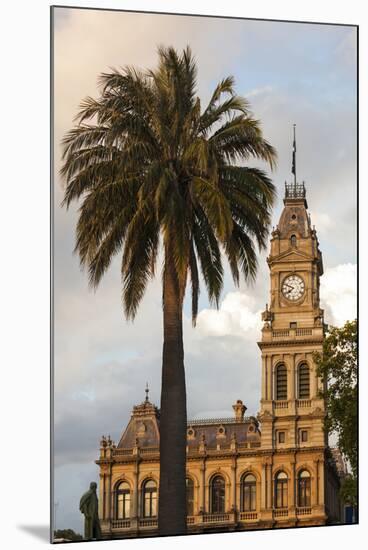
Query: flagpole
x,y
294,158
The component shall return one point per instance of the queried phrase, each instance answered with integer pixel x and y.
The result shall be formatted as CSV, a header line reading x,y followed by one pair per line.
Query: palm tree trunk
x,y
173,418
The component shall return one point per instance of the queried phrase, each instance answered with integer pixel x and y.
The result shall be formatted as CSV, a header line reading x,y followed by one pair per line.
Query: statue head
x,y
93,485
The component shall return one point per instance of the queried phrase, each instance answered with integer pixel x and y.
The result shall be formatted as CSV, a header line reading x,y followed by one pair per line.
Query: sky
x,y
290,73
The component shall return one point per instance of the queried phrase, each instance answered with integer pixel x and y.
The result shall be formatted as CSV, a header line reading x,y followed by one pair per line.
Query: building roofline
x,y
225,420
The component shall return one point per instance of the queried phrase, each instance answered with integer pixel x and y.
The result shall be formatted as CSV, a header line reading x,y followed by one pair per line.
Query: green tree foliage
x,y
150,167
338,366
68,534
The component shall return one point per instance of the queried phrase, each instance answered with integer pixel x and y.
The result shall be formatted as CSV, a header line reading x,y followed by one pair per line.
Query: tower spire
x,y
293,166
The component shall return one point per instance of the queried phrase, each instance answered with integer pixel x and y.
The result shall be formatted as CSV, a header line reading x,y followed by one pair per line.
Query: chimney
x,y
239,409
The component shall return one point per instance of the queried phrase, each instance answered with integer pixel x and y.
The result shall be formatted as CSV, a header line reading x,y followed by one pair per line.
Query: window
x,y
303,382
190,496
190,433
248,493
304,489
293,240
149,499
122,505
304,436
293,324
281,490
221,432
281,382
281,437
217,495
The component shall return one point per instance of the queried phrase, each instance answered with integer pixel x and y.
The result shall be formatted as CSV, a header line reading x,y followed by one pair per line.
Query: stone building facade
x,y
246,472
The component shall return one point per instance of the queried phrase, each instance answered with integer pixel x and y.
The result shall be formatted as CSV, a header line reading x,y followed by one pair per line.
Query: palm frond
x,y
194,275
146,165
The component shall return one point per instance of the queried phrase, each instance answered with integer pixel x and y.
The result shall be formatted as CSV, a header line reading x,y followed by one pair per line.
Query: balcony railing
x,y
293,334
303,332
305,511
148,522
280,333
294,190
148,450
216,518
211,519
190,520
224,420
281,513
281,404
122,452
248,516
302,403
120,523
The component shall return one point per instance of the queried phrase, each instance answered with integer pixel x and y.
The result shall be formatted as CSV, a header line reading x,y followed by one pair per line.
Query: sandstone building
x,y
275,470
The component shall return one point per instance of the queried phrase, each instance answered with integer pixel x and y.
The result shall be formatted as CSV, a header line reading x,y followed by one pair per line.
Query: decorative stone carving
x,y
267,314
239,409
221,432
202,444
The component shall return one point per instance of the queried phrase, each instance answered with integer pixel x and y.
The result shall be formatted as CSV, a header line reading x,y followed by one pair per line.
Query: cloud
x,y
235,316
322,221
260,91
339,293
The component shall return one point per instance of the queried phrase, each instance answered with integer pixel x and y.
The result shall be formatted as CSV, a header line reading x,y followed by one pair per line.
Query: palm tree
x,y
154,171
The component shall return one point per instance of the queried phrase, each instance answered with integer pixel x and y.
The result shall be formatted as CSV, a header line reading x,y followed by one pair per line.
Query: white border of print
x,y
24,219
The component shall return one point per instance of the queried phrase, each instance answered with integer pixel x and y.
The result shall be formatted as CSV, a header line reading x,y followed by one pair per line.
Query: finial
x,y
239,409
146,390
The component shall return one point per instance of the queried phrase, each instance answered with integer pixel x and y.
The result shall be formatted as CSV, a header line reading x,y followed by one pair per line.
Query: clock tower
x,y
293,330
292,410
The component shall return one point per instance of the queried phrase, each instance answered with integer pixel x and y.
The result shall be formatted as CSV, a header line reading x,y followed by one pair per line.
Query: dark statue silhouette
x,y
89,507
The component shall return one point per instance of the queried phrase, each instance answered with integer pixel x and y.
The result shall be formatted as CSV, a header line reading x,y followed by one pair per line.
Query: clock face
x,y
293,287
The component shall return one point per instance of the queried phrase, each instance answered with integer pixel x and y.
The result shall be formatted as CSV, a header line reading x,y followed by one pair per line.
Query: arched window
x,y
281,382
248,493
304,489
190,496
293,240
122,506
149,499
217,495
303,382
281,490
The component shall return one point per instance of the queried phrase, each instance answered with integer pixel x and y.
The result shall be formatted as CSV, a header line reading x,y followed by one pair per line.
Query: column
x,y
269,376
292,376
293,486
108,494
315,486
321,483
135,491
202,499
233,486
270,488
264,378
101,502
263,486
135,499
313,379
